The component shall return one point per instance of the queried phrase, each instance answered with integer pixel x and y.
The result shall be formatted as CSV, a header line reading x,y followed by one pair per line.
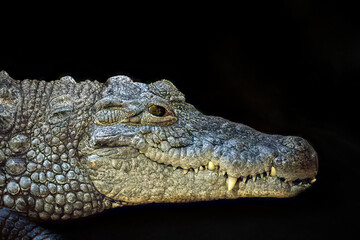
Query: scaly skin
x,y
69,150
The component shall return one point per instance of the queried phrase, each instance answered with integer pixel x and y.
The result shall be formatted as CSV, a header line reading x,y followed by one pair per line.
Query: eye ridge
x,y
157,110
107,104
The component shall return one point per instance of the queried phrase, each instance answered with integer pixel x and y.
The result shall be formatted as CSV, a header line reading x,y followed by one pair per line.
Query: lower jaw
x,y
272,187
249,191
142,181
250,187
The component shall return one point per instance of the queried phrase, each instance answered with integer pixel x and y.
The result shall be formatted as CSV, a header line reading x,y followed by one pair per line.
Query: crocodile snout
x,y
296,159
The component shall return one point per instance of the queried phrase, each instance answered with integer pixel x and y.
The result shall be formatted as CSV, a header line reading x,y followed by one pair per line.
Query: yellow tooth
x,y
201,168
231,183
254,178
223,173
115,204
313,180
196,170
273,172
185,171
211,166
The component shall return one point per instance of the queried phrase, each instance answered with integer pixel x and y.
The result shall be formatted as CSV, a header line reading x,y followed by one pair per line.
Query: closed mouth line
x,y
231,181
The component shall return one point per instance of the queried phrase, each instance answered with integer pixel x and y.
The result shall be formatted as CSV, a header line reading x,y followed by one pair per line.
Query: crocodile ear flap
x,y
165,89
9,99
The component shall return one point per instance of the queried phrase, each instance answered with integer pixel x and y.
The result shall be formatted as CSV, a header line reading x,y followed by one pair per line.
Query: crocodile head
x,y
146,144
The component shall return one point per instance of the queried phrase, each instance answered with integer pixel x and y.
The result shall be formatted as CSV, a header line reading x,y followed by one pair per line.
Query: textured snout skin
x,y
292,157
296,159
71,149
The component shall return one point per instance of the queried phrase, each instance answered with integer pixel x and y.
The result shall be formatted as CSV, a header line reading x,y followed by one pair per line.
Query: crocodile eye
x,y
157,115
157,110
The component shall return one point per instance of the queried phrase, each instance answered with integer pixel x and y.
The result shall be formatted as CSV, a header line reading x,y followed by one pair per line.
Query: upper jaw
x,y
276,166
283,160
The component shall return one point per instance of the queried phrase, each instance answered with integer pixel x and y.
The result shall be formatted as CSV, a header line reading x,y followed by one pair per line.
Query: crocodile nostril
x,y
296,143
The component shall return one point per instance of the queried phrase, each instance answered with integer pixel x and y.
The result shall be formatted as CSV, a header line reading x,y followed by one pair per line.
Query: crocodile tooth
x,y
174,168
115,204
231,182
201,168
313,180
223,173
211,166
244,179
185,171
196,170
273,172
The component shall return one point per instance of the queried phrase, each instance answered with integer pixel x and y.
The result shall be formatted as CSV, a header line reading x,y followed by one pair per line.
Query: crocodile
x,y
72,149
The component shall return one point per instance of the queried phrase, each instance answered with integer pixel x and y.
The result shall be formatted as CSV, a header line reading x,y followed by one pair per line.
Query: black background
x,y
288,68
